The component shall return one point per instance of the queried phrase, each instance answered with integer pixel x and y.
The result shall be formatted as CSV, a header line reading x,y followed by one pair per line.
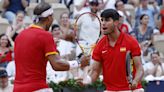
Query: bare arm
x,y
139,71
79,7
95,70
58,64
6,4
24,3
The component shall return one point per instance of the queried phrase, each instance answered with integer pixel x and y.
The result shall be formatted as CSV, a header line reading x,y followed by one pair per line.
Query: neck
x,y
41,25
114,35
143,26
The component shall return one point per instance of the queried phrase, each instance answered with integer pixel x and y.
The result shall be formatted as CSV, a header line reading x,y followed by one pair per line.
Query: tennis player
x,y
34,46
109,56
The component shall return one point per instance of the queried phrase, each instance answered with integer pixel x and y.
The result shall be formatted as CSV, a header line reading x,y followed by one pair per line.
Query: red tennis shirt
x,y
31,48
113,60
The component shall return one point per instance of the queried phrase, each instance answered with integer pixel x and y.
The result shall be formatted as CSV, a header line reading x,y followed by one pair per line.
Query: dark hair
x,y
3,73
110,13
8,44
94,2
54,26
117,3
40,8
141,17
155,52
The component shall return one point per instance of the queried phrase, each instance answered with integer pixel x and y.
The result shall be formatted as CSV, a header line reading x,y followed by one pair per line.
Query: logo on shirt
x,y
104,51
123,49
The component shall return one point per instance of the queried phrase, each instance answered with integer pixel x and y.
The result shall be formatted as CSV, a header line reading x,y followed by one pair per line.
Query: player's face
x,y
107,26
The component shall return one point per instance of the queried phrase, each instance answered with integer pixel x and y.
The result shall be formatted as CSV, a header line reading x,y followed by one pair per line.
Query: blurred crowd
x,y
143,19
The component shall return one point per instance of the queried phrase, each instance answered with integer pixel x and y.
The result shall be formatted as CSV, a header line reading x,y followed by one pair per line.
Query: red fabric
x,y
8,57
162,19
124,27
113,60
30,49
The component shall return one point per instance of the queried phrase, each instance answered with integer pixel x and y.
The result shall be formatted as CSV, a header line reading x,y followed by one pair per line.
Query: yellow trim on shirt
x,y
36,26
50,53
123,49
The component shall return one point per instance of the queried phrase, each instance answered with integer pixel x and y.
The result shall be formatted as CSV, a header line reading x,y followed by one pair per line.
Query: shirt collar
x,y
119,40
36,26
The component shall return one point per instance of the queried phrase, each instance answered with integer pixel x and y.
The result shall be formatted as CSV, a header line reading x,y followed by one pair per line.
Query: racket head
x,y
85,47
128,61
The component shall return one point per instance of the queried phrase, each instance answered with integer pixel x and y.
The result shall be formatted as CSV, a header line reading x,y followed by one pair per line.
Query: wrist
x,y
74,64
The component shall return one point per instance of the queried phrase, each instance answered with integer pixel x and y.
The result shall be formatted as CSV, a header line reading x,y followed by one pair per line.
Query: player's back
x,y
30,58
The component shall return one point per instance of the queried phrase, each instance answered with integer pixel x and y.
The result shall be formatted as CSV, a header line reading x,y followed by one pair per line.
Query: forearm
x,y
6,4
61,66
139,74
94,76
24,3
95,71
139,69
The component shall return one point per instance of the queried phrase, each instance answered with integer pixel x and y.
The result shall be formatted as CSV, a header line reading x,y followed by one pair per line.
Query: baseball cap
x,y
3,73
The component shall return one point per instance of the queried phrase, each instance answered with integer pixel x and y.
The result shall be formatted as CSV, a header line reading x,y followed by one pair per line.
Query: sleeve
x,y
135,48
96,55
49,45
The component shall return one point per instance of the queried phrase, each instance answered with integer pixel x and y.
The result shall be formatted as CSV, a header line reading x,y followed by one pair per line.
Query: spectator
x,y
109,4
123,27
144,34
143,8
127,16
4,84
66,50
80,7
5,51
17,26
65,26
64,47
11,7
67,3
89,24
154,68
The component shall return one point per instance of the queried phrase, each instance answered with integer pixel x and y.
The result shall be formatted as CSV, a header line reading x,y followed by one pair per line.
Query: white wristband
x,y
73,64
87,80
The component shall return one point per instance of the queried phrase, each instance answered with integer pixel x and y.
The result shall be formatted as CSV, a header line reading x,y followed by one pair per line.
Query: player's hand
x,y
84,61
80,82
134,84
84,81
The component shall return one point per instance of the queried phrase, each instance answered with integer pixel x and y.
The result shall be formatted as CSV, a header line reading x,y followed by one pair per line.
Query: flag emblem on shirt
x,y
123,49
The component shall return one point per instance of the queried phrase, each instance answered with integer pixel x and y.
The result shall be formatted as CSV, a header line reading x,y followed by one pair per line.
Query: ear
x,y
116,22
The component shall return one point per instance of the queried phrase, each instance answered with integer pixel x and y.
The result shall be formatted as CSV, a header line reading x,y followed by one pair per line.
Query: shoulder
x,y
102,40
130,39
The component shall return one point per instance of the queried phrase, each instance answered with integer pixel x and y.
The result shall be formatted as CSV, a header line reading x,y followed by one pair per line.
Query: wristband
x,y
73,64
87,80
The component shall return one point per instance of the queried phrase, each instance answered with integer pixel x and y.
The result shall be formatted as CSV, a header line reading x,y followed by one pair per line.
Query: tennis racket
x,y
84,45
129,69
86,48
